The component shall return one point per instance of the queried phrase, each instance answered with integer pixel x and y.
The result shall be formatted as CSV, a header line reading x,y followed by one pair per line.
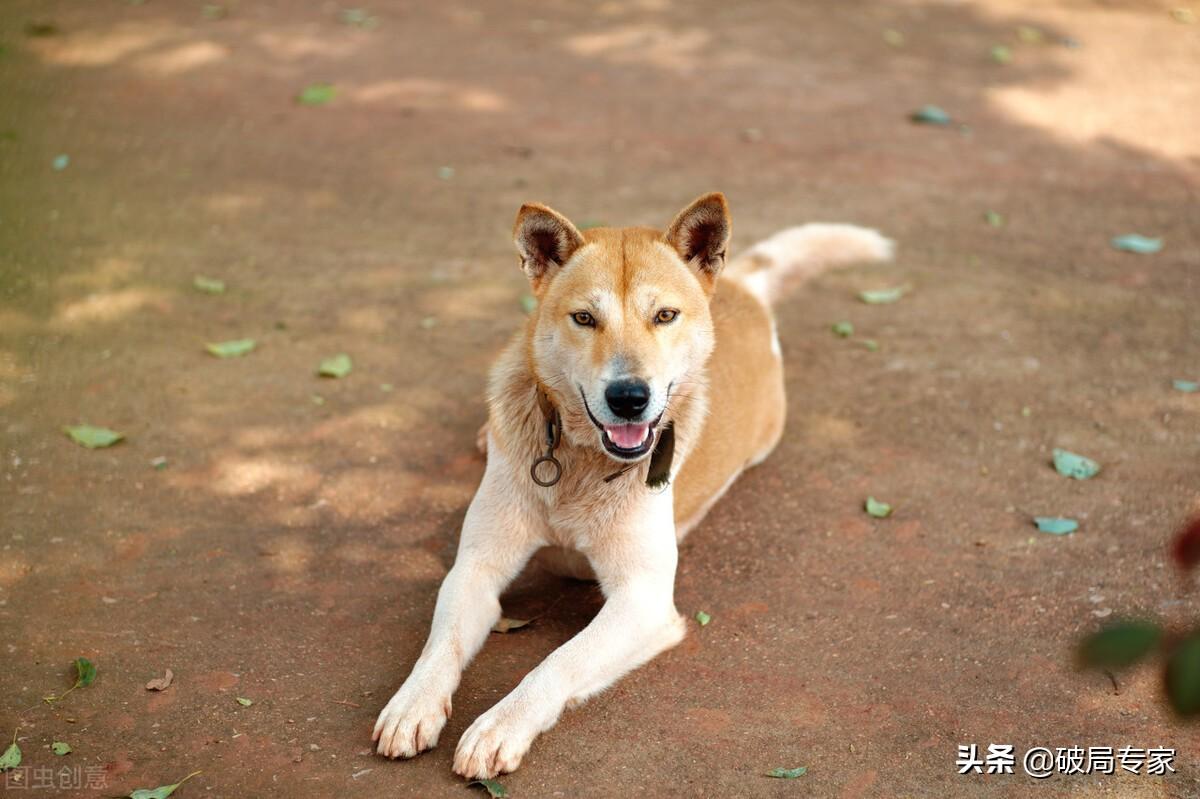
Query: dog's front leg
x,y
636,570
497,540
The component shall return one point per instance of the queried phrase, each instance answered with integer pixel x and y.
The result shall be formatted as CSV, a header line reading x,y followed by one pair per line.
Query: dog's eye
x,y
665,316
584,319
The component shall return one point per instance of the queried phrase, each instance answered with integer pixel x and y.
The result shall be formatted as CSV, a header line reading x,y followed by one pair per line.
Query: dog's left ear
x,y
700,235
545,240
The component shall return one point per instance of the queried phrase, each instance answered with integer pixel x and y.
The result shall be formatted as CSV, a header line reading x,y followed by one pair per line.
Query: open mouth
x,y
625,441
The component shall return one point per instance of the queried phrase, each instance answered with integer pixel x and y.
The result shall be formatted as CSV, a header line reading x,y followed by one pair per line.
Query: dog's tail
x,y
775,266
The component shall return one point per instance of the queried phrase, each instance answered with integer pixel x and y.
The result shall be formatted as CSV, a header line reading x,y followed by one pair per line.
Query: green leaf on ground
x,y
494,788
893,37
316,94
1186,386
161,792
870,344
244,702
337,366
208,285
528,303
994,219
1183,15
160,462
506,624
930,115
446,172
1055,525
702,618
588,224
60,748
880,510
359,18
1183,677
235,348
1119,644
1075,466
92,437
1132,242
843,329
12,755
61,162
1001,54
85,671
882,296
788,773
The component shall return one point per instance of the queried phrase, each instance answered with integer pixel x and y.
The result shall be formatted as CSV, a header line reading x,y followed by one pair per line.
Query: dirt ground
x,y
290,549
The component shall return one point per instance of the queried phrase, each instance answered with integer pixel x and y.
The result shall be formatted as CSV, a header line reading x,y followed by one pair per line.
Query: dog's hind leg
x,y
636,569
498,538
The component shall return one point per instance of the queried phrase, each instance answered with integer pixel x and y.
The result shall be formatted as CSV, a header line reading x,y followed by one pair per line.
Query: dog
x,y
648,377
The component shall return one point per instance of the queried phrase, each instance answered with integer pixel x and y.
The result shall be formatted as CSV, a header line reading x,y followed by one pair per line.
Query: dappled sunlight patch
x,y
822,429
476,302
654,45
406,413
237,476
426,93
15,323
183,58
372,494
108,272
230,203
288,554
104,47
366,319
1097,98
294,45
108,306
413,564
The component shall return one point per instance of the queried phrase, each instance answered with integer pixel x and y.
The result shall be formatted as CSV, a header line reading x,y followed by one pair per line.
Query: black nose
x,y
627,398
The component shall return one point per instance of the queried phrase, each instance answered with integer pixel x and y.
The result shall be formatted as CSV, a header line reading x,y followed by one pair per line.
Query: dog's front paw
x,y
495,743
411,722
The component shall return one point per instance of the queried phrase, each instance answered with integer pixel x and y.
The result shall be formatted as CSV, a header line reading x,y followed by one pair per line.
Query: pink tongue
x,y
627,436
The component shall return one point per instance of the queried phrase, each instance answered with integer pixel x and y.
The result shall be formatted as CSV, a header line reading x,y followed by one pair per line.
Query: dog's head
x,y
622,323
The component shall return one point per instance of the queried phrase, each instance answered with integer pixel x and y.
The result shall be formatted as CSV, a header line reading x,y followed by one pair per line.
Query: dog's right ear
x,y
545,240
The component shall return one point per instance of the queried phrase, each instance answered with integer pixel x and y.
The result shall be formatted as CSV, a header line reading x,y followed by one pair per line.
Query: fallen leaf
x,y
162,791
1186,386
893,37
994,219
60,748
882,296
208,285
92,437
428,323
446,172
1183,677
930,115
244,702
1183,15
12,755
358,18
528,303
880,510
588,224
232,349
337,366
1132,242
161,683
870,344
505,624
1001,54
41,29
160,462
1119,644
1068,464
494,789
86,672
702,618
843,329
60,162
1055,525
788,773
316,94
213,11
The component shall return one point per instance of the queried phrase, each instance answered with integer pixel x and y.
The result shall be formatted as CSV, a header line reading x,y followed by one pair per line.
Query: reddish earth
x,y
289,551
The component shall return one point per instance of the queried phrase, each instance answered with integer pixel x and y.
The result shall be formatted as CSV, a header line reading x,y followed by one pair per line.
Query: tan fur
x,y
714,371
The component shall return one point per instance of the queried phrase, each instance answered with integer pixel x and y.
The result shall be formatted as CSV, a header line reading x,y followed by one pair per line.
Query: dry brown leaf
x,y
161,683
